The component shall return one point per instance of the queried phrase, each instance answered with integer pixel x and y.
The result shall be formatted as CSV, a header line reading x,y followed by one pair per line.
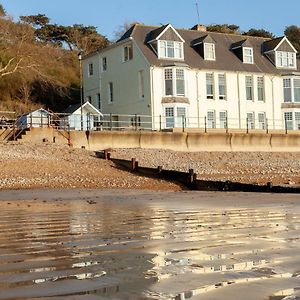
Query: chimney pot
x,y
199,27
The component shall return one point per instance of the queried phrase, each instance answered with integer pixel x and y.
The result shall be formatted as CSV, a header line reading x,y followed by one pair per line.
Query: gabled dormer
x,y
281,53
206,47
167,43
244,51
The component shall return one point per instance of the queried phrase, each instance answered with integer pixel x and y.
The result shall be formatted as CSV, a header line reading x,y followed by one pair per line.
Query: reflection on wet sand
x,y
135,247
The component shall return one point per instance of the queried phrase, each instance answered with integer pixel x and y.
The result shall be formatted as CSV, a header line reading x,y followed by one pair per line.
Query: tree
x,y
2,11
293,34
259,33
76,37
36,21
14,51
224,28
123,28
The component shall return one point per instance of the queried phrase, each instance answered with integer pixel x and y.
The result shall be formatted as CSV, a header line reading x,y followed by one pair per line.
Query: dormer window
x,y
170,50
248,55
209,51
285,59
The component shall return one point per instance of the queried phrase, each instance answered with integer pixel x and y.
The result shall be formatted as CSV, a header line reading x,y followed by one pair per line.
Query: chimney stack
x,y
199,27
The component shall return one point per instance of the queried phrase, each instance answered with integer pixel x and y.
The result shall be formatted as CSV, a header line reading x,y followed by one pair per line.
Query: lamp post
x,y
81,89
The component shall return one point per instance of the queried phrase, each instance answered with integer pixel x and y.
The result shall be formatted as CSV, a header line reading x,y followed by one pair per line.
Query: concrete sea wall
x,y
235,141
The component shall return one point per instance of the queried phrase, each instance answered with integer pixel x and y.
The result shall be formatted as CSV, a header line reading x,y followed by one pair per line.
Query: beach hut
x,y
77,117
37,118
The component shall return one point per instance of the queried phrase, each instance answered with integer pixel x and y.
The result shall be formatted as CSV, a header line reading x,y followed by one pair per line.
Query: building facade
x,y
194,78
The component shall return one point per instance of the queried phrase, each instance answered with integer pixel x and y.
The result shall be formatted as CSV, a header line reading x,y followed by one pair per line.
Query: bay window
x,y
174,82
291,89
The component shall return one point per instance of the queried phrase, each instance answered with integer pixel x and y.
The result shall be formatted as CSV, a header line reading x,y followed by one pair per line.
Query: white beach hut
x,y
37,118
77,117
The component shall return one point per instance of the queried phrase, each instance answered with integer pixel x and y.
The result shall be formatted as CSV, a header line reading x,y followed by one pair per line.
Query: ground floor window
x,y
262,120
223,119
211,119
288,118
250,120
175,116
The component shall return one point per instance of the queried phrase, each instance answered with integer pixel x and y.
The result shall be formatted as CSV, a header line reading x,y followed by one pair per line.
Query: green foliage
x,y
35,20
2,11
224,28
293,34
77,37
259,33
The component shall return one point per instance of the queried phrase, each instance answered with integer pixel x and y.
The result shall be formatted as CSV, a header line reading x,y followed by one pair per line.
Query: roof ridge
x,y
215,32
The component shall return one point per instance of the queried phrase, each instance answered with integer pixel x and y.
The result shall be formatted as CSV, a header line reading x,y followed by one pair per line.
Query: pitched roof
x,y
272,44
72,108
226,60
242,43
152,35
204,39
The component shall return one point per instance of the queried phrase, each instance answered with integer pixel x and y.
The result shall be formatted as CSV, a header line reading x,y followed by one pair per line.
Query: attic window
x,y
127,53
248,55
285,59
209,51
170,49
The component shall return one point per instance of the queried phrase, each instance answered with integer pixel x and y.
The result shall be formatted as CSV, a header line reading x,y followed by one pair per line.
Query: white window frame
x,y
177,120
223,122
292,87
127,53
209,51
297,120
261,122
260,81
222,96
208,81
248,58
288,118
250,120
211,122
165,47
174,72
285,60
249,86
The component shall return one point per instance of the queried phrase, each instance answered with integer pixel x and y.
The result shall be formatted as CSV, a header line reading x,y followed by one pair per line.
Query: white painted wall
x,y
124,76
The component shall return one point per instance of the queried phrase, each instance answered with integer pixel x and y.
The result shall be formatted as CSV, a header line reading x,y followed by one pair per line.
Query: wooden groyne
x,y
191,180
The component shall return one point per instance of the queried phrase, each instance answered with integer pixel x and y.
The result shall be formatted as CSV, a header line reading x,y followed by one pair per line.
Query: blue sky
x,y
108,16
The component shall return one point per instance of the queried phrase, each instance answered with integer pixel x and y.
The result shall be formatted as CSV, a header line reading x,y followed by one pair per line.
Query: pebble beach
x,y
26,166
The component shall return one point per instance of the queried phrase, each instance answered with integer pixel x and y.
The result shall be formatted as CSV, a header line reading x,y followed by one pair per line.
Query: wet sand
x,y
133,244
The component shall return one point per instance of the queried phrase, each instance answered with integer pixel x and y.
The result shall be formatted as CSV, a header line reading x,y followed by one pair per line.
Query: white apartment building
x,y
197,77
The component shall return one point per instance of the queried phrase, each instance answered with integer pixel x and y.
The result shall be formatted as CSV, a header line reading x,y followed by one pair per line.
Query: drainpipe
x,y
152,98
198,104
239,99
273,102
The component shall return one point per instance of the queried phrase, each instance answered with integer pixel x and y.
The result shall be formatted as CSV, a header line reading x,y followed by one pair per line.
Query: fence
x,y
135,122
